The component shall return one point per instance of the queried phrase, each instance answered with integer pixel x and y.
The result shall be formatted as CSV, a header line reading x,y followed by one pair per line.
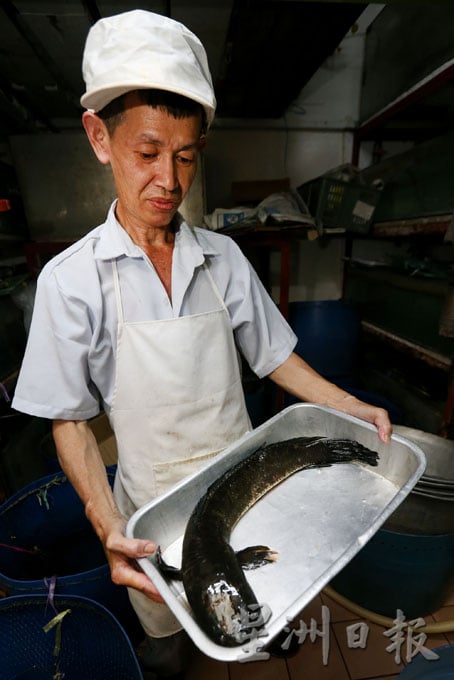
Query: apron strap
x,y
119,303
116,281
214,287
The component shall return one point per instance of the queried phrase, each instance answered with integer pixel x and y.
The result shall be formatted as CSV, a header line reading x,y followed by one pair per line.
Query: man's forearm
x,y
298,378
81,460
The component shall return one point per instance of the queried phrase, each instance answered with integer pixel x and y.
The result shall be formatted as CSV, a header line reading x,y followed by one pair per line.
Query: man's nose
x,y
167,175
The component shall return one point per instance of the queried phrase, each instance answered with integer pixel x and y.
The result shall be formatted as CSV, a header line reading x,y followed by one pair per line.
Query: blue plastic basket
x,y
44,533
93,645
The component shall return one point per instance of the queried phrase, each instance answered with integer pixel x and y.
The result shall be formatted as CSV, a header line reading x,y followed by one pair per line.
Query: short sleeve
x,y
54,379
264,337
261,332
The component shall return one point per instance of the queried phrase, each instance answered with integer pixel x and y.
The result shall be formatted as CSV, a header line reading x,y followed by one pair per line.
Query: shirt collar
x,y
115,242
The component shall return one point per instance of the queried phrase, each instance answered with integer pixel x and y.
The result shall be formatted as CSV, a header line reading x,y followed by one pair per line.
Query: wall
x,y
241,155
248,154
313,136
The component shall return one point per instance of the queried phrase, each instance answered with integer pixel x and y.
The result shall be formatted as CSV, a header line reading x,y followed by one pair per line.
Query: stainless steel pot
x,y
429,508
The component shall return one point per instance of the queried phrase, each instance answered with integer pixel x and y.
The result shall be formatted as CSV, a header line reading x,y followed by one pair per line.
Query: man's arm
x,y
298,378
81,461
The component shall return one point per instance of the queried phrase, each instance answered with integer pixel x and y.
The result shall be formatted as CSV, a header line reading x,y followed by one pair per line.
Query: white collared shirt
x,y
68,371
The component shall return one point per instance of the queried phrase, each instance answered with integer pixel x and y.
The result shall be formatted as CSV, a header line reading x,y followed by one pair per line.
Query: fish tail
x,y
348,450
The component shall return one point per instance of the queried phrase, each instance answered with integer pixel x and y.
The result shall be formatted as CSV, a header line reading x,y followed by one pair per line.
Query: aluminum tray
x,y
317,519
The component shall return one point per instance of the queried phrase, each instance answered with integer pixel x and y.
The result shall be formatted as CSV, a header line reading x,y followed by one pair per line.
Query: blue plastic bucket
x,y
411,572
328,334
421,668
93,645
328,338
45,536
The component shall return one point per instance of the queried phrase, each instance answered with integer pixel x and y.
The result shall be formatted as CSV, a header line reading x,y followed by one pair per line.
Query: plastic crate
x,y
338,204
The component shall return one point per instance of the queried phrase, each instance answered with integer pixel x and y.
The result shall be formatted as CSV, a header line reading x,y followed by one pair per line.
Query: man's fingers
x,y
127,573
132,547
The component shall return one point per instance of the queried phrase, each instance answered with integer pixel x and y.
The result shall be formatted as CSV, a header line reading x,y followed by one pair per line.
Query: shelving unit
x,y
421,112
380,126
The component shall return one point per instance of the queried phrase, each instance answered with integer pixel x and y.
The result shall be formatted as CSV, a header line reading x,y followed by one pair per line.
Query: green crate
x,y
335,203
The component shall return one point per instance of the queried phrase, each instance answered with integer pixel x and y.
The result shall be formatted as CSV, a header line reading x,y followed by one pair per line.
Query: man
x,y
144,314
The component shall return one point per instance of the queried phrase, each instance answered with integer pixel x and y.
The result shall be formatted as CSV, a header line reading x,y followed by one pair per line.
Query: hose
x,y
386,621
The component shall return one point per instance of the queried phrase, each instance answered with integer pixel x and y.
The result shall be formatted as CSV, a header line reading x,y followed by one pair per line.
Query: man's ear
x,y
97,135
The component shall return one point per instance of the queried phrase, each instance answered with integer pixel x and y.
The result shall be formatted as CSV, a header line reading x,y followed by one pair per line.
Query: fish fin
x,y
166,569
255,556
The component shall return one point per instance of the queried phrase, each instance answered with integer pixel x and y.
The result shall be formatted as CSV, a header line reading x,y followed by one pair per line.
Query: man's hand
x,y
121,555
372,414
298,378
81,460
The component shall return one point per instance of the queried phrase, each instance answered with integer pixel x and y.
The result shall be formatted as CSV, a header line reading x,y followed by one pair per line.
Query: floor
x,y
348,656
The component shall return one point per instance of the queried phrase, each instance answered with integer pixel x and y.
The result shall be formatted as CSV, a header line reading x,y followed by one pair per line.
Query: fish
x,y
223,602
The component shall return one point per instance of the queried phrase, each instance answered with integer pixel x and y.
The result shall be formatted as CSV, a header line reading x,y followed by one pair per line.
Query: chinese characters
x,y
407,640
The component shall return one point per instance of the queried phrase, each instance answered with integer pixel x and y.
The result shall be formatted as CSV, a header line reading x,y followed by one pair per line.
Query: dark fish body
x,y
216,587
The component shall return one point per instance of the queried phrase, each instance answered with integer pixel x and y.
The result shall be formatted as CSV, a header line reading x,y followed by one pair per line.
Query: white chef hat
x,y
142,50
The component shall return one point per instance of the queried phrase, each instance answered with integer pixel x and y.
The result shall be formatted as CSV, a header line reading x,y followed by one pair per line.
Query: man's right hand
x,y
121,555
79,457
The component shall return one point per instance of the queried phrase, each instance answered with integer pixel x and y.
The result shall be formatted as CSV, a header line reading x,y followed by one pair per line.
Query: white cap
x,y
142,50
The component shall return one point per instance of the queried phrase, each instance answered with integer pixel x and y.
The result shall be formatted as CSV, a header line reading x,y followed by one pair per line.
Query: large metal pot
x,y
439,452
409,563
429,508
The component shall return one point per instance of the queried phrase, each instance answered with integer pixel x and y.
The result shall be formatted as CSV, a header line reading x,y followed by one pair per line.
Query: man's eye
x,y
147,156
184,160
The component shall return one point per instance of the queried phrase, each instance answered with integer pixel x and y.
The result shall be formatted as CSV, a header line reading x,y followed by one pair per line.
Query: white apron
x,y
178,401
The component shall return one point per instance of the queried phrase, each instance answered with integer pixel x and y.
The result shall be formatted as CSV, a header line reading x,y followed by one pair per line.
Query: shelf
x,y
430,357
375,126
437,225
261,231
409,99
422,112
408,78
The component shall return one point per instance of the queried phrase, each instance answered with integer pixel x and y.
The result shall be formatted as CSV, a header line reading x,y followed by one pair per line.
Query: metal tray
x,y
317,519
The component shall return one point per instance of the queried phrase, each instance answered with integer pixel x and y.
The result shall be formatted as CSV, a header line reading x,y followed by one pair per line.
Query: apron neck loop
x,y
117,291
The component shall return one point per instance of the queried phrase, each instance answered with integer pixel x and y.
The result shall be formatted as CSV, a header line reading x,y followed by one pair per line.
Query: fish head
x,y
231,616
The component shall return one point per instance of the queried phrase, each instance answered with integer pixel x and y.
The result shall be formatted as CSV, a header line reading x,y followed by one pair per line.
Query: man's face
x,y
154,160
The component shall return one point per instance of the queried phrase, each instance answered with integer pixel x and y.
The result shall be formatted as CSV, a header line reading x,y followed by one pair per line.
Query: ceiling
x,y
261,53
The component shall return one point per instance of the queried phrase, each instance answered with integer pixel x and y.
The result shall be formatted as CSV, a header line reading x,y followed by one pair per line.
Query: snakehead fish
x,y
223,603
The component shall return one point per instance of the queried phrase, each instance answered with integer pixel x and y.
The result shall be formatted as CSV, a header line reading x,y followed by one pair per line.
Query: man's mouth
x,y
164,204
